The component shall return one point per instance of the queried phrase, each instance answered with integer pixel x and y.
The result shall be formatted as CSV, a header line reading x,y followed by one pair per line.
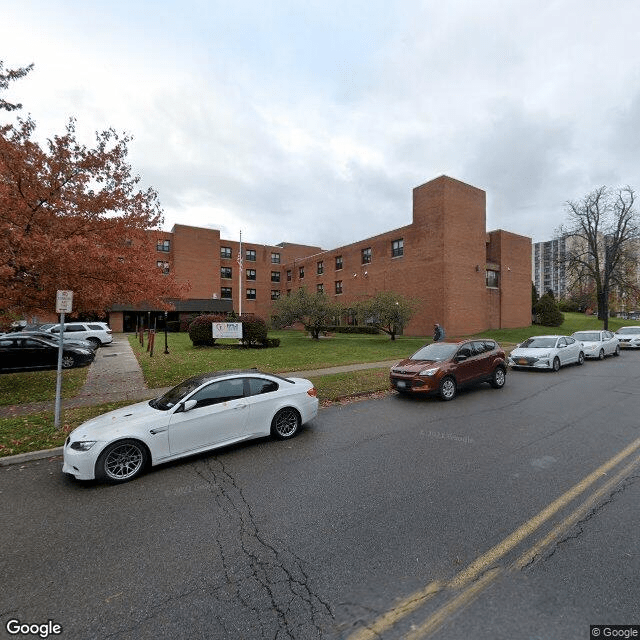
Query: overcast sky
x,y
312,121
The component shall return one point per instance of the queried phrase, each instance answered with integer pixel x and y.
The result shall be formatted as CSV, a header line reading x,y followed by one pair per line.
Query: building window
x,y
225,293
288,275
163,265
275,276
251,255
275,294
226,272
225,253
338,263
251,294
366,255
275,258
301,272
320,287
320,270
492,279
397,248
164,245
251,274
338,286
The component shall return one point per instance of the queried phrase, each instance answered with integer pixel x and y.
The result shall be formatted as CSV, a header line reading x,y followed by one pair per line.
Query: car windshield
x,y
435,352
587,336
175,395
539,343
628,330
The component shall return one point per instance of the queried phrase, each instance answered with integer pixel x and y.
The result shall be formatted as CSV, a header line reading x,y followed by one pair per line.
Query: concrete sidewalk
x,y
115,375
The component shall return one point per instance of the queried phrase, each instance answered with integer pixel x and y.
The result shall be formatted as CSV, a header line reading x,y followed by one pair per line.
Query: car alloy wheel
x,y
581,358
556,364
448,388
285,423
68,361
499,378
121,461
601,355
617,351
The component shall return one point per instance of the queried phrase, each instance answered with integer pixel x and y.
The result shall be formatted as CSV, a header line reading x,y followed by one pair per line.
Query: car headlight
x,y
428,372
543,355
82,445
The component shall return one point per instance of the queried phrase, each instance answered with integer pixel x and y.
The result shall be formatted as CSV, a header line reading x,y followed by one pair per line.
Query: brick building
x,y
458,274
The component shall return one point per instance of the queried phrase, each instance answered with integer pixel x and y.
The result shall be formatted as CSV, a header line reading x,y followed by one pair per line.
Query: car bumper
x,y
81,464
538,364
414,385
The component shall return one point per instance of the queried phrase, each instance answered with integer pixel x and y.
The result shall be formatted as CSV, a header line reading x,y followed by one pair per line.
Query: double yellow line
x,y
470,582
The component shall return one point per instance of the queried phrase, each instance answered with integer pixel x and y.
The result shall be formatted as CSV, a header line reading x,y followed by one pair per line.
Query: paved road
x,y
375,502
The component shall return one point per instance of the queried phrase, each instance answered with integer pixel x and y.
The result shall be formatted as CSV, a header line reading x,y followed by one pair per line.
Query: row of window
x,y
226,292
397,250
249,255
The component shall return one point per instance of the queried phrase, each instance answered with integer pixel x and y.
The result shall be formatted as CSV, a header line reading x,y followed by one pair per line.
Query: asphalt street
x,y
387,518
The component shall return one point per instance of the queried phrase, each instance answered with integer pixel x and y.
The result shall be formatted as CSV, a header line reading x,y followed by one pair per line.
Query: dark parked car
x,y
443,367
19,353
67,339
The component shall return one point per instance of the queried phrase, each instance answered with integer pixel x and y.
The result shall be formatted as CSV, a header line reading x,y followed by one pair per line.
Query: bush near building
x,y
547,313
254,330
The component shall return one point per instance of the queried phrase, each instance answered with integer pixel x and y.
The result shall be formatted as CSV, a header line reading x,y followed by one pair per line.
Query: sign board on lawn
x,y
227,330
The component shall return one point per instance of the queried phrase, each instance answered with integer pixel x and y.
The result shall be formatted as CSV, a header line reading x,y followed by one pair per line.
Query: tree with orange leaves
x,y
73,217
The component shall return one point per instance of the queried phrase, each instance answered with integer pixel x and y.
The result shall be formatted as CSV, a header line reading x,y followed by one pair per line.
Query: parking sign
x,y
64,301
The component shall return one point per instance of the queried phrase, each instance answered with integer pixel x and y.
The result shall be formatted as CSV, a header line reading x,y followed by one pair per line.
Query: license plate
x,y
401,384
522,361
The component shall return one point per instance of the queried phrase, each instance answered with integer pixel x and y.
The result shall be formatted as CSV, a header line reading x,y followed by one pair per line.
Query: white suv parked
x,y
97,332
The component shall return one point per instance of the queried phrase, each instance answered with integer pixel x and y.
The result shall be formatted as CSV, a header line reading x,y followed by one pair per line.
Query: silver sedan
x,y
598,344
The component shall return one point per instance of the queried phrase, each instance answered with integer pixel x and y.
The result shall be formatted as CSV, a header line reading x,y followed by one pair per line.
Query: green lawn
x,y
36,386
296,352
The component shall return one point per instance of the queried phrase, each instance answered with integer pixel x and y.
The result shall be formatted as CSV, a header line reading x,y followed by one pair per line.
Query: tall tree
x,y
73,217
602,232
387,311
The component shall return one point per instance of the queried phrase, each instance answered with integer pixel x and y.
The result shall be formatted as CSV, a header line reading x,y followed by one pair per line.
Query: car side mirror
x,y
188,405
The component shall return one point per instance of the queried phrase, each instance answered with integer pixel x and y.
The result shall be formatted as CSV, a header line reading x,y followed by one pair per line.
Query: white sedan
x,y
547,352
598,344
629,337
204,412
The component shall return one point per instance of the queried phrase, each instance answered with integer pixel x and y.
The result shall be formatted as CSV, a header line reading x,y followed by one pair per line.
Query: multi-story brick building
x,y
458,274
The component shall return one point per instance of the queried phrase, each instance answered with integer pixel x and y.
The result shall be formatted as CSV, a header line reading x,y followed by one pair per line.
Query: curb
x,y
19,458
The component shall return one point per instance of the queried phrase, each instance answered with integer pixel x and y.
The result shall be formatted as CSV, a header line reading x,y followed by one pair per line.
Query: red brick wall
x,y
446,252
513,253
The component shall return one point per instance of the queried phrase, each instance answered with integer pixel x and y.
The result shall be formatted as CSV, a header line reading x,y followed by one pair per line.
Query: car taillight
x,y
313,392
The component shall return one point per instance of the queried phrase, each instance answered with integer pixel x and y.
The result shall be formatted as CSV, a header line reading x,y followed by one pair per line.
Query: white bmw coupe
x,y
204,412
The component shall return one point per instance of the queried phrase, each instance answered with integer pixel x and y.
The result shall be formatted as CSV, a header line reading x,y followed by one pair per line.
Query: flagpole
x,y
240,276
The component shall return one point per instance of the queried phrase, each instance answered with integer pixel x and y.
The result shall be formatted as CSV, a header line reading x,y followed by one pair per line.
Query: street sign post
x,y
64,304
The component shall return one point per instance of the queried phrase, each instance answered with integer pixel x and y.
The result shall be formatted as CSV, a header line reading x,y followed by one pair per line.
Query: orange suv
x,y
443,367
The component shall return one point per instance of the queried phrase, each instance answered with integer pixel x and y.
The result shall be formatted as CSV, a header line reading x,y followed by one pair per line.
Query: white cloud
x,y
312,123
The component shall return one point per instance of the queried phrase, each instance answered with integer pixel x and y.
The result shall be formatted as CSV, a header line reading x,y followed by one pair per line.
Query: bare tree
x,y
602,232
